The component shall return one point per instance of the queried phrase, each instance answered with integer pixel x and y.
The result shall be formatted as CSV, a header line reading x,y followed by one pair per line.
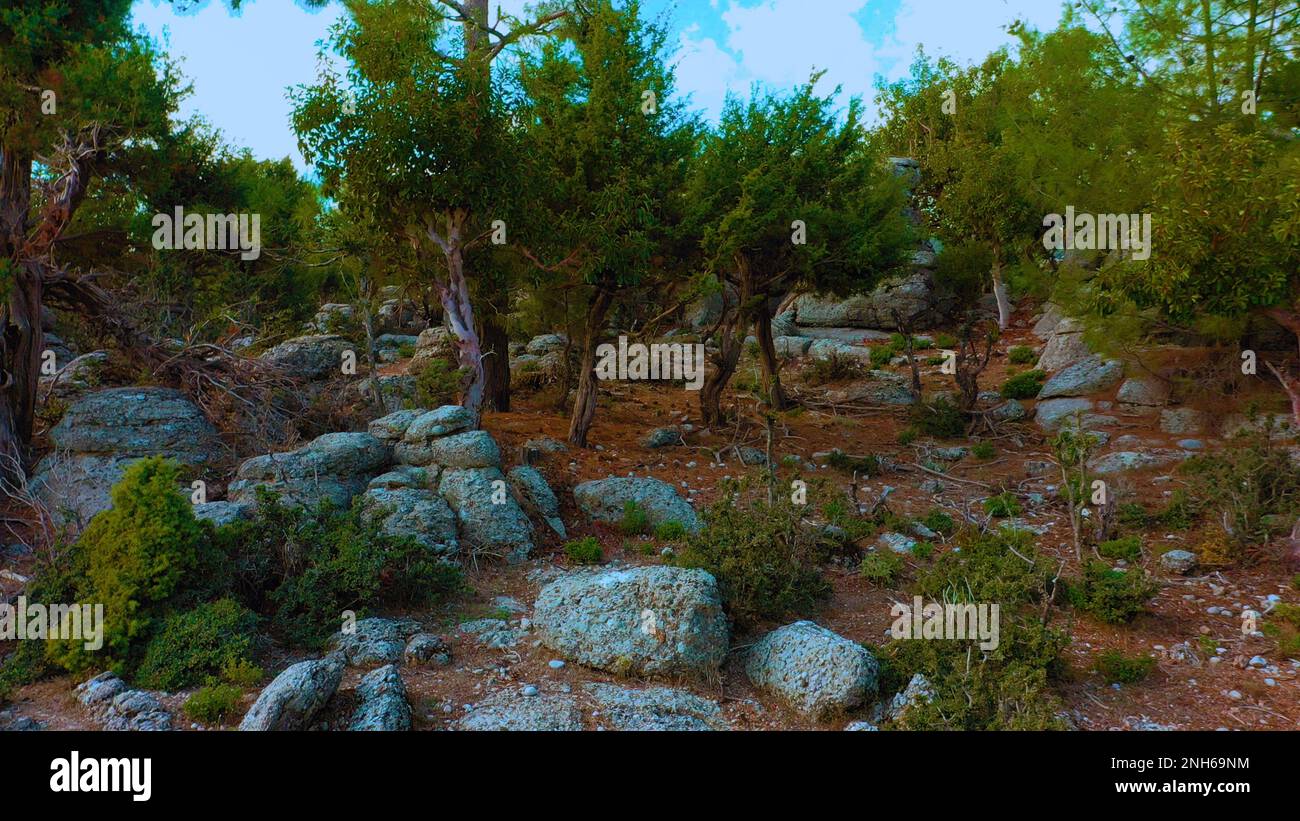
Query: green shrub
x,y
1002,506
923,550
1021,355
241,672
1118,668
868,465
141,558
1010,686
882,355
1132,514
939,417
766,560
584,551
437,383
1129,548
940,522
983,450
189,647
1245,485
635,522
835,367
212,703
908,435
946,340
1179,513
1283,625
306,566
1113,596
1023,385
671,531
881,567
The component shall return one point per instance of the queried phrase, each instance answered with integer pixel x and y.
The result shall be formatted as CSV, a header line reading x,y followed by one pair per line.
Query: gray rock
x,y
137,711
336,466
879,388
100,690
1144,392
792,346
419,514
310,357
433,344
490,522
1048,321
917,691
914,296
535,497
374,641
1181,562
897,542
1277,426
1087,376
224,513
427,648
102,433
75,375
383,706
546,445
294,697
1183,421
651,621
1051,414
546,343
817,672
333,317
655,709
662,438
471,449
784,325
508,710
391,428
603,500
827,348
494,633
1064,347
1126,460
406,477
1009,411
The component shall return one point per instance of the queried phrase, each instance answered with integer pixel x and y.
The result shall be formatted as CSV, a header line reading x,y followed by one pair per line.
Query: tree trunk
x,y
496,364
584,401
20,317
730,342
454,296
1000,294
772,389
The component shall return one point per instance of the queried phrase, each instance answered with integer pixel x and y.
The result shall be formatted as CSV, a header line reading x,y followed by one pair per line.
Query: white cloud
x,y
966,31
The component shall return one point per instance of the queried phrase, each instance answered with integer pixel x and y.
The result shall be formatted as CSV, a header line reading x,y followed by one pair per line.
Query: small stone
x,y
555,664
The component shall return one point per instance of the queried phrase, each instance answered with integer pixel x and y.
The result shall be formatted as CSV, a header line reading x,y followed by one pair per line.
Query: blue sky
x,y
241,65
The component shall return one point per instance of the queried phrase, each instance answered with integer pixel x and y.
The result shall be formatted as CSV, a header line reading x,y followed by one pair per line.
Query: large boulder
x,y
1087,376
1064,347
816,671
75,376
536,497
879,388
104,432
335,466
417,513
294,697
655,709
510,710
644,621
491,521
604,500
471,449
1143,392
317,356
382,704
433,344
913,296
373,641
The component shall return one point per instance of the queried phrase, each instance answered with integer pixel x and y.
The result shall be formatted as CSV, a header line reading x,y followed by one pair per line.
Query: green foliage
x,y
940,417
765,558
1179,513
1002,506
1118,668
1283,625
1023,385
212,703
868,465
140,559
670,531
635,521
1113,596
1245,484
881,355
1009,687
908,435
584,551
1022,355
983,450
306,566
241,672
947,341
437,383
940,522
190,646
882,567
923,550
836,367
1128,548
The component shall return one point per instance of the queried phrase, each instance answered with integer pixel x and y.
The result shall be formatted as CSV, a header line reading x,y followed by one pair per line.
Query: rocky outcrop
x,y
605,500
512,710
1083,378
650,621
373,641
382,704
491,521
104,432
536,497
814,670
914,296
335,466
294,697
654,709
1064,347
417,513
318,356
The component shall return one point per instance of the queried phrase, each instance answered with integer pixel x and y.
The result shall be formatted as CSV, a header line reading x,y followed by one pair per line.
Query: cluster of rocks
x,y
118,707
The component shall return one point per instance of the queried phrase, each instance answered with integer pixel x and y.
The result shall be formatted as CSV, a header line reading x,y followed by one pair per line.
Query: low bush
x,y
635,521
1128,548
189,647
584,551
1113,596
835,367
940,417
766,559
1118,668
670,531
1021,355
212,703
1023,385
940,522
882,567
1002,506
983,450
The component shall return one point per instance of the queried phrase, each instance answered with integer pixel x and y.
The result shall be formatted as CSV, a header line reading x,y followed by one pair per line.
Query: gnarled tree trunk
x,y
772,389
584,401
